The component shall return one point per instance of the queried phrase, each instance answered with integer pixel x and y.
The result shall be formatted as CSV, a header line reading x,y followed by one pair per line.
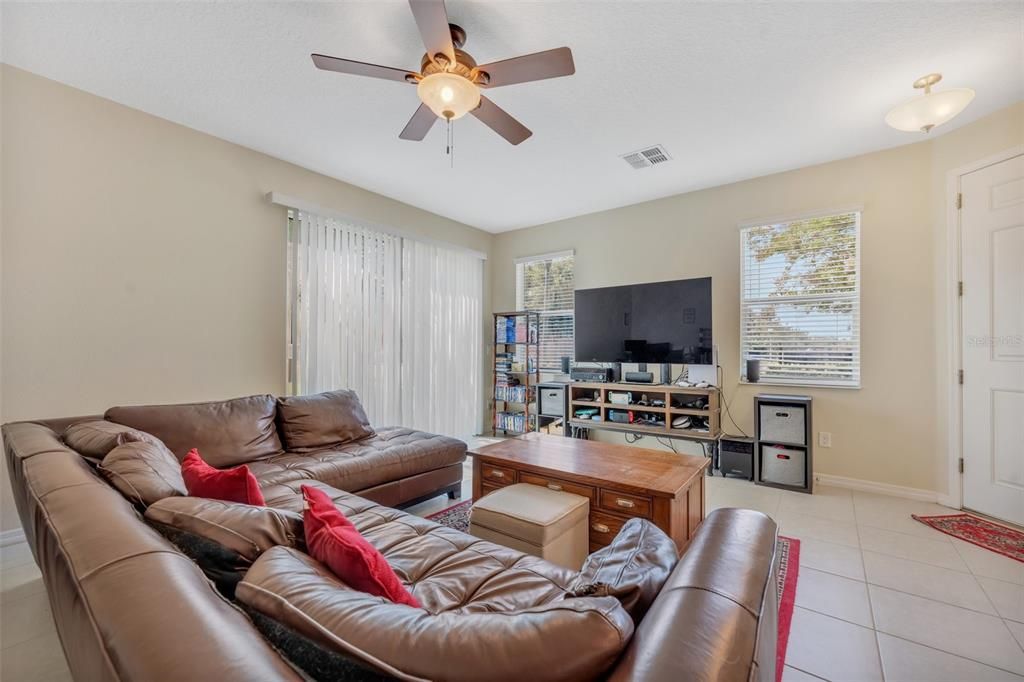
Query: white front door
x,y
992,328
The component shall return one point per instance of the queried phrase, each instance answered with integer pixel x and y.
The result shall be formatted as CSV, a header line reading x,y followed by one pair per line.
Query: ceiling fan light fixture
x,y
931,109
448,95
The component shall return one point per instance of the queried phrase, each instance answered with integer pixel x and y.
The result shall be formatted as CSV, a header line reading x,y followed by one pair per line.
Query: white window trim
x,y
526,260
546,256
809,383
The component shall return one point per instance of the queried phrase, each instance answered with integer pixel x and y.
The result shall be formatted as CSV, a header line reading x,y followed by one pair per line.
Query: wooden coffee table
x,y
621,482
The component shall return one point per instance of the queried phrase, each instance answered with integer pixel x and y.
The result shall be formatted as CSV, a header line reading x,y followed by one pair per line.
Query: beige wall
x,y
141,261
891,430
8,514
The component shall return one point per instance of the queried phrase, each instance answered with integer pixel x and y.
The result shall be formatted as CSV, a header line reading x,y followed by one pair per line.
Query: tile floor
x,y
880,596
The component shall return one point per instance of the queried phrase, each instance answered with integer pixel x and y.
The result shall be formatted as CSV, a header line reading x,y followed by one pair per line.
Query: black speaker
x,y
736,456
617,371
666,373
753,371
565,364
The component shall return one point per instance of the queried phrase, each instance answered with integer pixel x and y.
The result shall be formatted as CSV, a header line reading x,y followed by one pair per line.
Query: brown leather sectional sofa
x,y
129,604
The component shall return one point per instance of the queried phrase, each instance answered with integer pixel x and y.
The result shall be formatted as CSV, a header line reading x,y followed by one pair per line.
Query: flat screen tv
x,y
657,322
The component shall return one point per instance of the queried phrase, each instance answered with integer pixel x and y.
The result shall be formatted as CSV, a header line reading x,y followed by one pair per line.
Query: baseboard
x,y
863,486
11,537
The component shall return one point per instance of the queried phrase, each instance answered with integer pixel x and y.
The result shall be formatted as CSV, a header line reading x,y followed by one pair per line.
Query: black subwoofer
x,y
736,456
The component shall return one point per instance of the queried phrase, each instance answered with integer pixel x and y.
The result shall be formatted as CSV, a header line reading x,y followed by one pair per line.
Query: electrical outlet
x,y
825,439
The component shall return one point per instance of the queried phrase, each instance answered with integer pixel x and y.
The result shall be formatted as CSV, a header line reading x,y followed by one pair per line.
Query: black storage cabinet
x,y
782,442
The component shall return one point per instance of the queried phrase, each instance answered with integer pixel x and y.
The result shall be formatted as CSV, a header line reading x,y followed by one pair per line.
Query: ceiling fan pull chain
x,y
450,142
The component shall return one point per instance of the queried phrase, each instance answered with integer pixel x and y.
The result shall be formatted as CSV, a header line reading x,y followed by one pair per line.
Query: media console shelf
x,y
677,402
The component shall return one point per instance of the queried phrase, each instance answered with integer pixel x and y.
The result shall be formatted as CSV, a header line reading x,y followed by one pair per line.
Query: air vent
x,y
645,158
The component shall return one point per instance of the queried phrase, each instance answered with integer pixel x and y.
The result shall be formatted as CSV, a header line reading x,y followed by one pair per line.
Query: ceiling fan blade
x,y
322,61
419,125
432,21
501,122
529,67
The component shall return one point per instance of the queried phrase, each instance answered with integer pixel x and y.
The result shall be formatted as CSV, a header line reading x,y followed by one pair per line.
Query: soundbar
x,y
640,377
590,374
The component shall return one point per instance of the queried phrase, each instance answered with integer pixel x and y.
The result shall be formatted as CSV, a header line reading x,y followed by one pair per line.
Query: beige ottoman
x,y
547,523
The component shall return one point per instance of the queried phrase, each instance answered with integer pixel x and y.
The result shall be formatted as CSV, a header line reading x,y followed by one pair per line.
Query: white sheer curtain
x,y
397,320
346,312
442,291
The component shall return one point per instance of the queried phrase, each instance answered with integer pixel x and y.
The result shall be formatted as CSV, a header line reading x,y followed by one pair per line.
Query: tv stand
x,y
582,396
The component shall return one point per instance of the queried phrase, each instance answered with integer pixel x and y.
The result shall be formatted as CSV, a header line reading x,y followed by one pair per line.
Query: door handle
x,y
554,487
628,504
497,474
600,528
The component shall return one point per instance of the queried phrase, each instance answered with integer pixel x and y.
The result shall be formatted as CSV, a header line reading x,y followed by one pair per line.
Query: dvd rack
x,y
516,371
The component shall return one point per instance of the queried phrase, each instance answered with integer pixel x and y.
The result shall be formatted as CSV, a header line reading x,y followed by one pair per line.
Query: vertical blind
x,y
800,299
345,312
442,339
545,284
396,320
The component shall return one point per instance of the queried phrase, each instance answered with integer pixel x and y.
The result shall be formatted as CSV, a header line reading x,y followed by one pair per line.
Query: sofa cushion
x,y
572,639
231,485
144,472
316,422
224,538
96,438
244,529
445,569
227,432
333,541
390,454
633,568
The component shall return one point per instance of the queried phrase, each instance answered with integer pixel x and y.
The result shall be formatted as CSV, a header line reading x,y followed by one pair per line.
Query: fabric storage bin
x,y
783,423
783,466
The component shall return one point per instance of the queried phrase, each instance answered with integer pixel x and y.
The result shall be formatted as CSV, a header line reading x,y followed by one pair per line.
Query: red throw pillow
x,y
333,541
231,485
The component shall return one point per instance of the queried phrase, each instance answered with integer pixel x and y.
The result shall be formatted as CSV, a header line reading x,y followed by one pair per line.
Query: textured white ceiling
x,y
732,90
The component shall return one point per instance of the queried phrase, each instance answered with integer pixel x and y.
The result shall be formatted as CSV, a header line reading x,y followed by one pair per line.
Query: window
x,y
800,300
545,284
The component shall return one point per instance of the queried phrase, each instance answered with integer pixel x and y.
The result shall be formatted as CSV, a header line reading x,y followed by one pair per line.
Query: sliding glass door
x,y
395,319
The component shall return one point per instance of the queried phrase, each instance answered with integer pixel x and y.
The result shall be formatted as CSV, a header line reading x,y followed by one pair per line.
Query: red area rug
x,y
992,536
457,518
789,571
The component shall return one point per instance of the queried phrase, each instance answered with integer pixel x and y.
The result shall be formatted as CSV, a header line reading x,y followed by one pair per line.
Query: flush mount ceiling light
x,y
931,109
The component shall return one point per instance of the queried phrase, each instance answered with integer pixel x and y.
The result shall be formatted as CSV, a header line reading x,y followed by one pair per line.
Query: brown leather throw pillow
x,y
95,439
633,568
144,472
316,422
224,538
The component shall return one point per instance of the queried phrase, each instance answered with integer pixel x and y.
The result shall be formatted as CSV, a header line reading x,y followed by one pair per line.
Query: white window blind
x,y
800,300
545,284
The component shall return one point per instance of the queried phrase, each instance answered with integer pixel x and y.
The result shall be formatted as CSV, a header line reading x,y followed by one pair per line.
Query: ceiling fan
x,y
449,80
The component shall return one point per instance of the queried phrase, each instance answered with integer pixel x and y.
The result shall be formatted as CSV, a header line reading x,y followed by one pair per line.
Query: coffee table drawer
x,y
625,503
558,484
604,528
497,475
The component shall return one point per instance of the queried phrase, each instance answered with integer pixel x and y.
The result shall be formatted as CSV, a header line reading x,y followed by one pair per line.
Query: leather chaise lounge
x,y
393,465
130,604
